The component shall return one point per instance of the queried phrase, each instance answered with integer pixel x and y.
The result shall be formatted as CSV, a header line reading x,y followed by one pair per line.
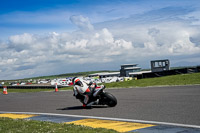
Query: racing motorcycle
x,y
103,98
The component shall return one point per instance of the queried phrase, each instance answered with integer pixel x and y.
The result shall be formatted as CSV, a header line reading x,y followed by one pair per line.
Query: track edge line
x,y
108,118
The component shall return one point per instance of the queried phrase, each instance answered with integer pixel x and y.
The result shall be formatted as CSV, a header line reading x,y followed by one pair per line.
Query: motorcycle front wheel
x,y
109,99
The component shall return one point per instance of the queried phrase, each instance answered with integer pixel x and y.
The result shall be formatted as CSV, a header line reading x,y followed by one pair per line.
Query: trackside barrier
x,y
5,92
56,87
169,72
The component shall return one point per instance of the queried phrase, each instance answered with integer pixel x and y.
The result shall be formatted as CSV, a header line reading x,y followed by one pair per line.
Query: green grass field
x,y
8,125
182,79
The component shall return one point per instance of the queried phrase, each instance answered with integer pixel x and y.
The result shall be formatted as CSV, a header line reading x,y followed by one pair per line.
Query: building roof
x,y
160,60
132,68
139,73
129,64
105,73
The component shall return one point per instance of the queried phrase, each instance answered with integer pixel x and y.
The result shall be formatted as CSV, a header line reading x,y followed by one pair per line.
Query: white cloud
x,y
82,22
109,43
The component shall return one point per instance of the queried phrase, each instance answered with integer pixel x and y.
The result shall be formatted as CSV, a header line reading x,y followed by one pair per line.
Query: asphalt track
x,y
177,104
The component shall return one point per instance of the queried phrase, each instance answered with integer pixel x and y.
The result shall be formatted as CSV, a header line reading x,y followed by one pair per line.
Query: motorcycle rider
x,y
85,91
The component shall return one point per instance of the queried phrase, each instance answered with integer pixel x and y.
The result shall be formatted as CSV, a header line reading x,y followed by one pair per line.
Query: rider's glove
x,y
103,86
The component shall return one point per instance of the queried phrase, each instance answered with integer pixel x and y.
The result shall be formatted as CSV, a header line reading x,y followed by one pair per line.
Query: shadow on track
x,y
72,108
81,107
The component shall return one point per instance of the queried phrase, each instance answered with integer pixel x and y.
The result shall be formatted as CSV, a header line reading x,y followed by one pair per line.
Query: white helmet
x,y
80,85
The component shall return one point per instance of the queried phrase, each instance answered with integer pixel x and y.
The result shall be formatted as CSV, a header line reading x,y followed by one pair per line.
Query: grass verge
x,y
8,125
36,90
183,79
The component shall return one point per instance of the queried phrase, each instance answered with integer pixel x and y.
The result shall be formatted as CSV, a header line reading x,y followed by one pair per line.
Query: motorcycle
x,y
103,98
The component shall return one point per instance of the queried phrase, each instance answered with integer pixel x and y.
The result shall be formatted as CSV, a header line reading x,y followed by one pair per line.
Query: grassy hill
x,y
181,79
78,74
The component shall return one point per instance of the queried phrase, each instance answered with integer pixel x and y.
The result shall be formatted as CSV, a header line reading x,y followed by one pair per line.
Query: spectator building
x,y
160,65
127,69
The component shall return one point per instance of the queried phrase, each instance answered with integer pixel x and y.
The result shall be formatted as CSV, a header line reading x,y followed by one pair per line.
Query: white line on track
x,y
108,118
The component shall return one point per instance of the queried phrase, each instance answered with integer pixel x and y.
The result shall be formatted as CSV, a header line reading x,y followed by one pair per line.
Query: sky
x,y
48,37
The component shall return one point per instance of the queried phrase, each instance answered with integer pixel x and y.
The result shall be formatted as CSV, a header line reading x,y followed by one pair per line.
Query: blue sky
x,y
45,16
74,33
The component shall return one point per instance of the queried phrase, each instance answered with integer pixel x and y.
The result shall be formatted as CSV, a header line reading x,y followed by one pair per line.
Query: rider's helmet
x,y
77,81
80,85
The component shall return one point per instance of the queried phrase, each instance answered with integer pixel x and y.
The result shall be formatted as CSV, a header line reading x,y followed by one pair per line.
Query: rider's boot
x,y
90,104
84,105
93,103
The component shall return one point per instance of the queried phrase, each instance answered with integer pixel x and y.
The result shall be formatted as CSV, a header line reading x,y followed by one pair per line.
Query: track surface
x,y
177,104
